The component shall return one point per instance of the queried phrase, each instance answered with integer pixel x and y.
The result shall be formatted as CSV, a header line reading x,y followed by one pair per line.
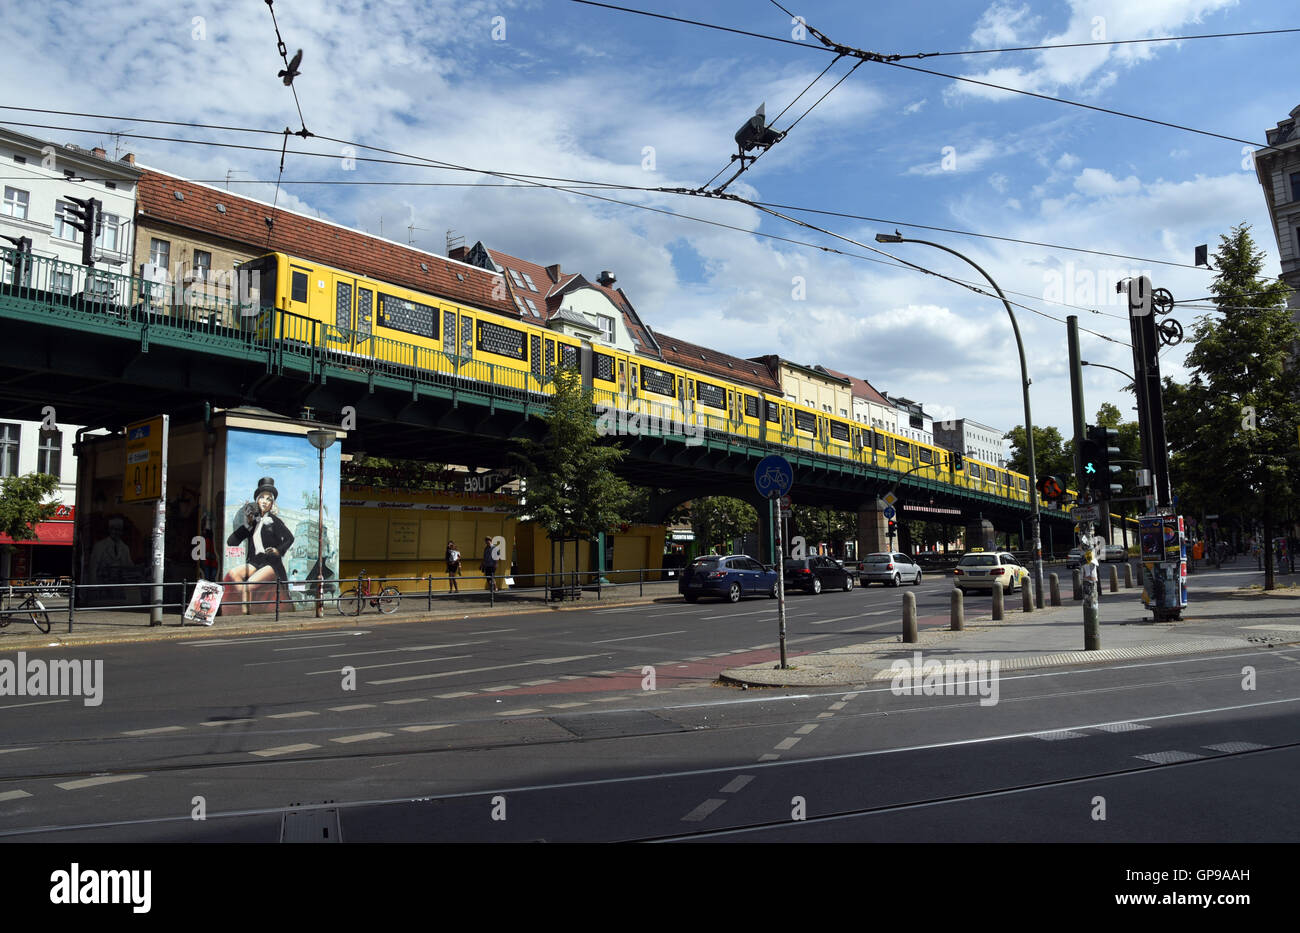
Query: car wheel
x,y
816,586
848,583
690,597
896,581
917,581
733,594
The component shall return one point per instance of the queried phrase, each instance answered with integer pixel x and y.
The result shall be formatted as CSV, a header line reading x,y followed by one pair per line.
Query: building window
x,y
21,160
63,283
528,279
15,203
49,455
63,228
160,252
1295,186
202,265
110,236
606,324
9,449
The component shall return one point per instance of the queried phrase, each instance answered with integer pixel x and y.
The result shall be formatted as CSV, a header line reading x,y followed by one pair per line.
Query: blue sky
x,y
557,88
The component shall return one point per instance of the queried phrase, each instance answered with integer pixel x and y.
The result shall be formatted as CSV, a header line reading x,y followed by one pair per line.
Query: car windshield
x,y
879,558
707,563
979,560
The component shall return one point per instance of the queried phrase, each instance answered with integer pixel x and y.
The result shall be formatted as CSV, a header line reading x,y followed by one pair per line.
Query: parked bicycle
x,y
386,600
31,606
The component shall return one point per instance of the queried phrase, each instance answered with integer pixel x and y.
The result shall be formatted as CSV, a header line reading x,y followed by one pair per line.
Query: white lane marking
x,y
36,703
226,722
736,783
804,730
825,715
1170,757
501,687
1122,727
155,731
13,795
787,744
404,702
442,725
769,757
567,705
735,615
840,705
454,644
494,631
296,715
332,644
519,712
219,642
26,748
479,670
539,683
605,641
1059,736
703,810
96,781
1231,747
345,709
371,667
1282,628
362,737
455,696
283,750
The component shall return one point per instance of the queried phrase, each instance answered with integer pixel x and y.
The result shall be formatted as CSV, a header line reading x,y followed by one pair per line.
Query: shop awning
x,y
57,533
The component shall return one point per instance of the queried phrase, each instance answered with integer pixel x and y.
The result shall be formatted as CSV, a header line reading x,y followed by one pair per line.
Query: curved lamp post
x,y
321,440
1036,518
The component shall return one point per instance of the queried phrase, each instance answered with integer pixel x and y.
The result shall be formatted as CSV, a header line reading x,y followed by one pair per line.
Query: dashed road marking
x,y
804,730
479,670
539,683
839,705
226,722
284,750
825,715
96,781
456,696
361,737
344,709
787,744
737,783
604,641
1168,758
1060,735
1230,747
703,810
13,795
441,725
500,688
769,757
1122,727
519,712
155,731
567,705
404,702
294,715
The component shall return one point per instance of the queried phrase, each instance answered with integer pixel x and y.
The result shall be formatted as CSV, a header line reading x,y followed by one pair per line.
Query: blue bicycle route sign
x,y
773,476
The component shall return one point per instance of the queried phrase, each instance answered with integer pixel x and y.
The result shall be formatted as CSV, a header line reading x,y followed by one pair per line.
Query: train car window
x,y
805,421
407,316
299,292
602,367
903,449
658,381
568,356
343,307
926,455
751,406
712,396
535,355
880,440
773,412
466,336
839,431
503,341
972,470
1022,483
365,312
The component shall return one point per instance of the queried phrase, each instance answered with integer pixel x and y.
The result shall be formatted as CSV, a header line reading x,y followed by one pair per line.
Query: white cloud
x,y
1098,183
915,106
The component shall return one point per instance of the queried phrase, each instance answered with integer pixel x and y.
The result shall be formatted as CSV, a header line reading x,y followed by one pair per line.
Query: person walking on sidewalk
x,y
453,565
489,563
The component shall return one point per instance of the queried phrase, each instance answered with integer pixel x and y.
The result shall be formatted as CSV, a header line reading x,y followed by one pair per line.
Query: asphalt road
x,y
531,727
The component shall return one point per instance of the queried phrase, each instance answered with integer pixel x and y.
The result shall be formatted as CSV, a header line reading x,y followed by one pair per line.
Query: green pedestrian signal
x,y
1094,460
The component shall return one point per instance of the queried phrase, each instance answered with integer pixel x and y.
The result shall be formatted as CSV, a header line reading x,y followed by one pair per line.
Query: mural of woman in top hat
x,y
267,536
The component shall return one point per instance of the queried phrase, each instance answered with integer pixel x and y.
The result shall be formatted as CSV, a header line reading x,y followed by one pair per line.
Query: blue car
x,y
728,577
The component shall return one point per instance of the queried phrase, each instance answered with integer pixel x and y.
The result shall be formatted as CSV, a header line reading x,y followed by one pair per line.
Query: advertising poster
x,y
204,603
269,528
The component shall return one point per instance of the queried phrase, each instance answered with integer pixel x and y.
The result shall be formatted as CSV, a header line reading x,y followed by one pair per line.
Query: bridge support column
x,y
873,528
980,534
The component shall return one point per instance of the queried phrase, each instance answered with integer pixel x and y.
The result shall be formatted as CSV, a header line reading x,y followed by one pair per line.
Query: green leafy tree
x,y
384,472
1052,455
570,488
22,503
821,524
1232,427
719,520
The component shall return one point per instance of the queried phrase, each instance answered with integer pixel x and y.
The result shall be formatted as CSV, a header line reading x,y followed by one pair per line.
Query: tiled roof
x,y
713,362
244,221
861,388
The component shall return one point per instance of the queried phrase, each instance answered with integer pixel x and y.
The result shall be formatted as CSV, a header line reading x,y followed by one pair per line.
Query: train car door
x,y
632,379
622,378
681,395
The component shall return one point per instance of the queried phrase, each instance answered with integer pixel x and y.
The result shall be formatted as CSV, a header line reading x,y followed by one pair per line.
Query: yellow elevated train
x,y
387,325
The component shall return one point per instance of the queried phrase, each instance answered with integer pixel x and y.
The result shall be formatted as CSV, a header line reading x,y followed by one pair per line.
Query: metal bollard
x,y
997,600
956,612
1055,584
1128,576
1026,597
909,618
1078,585
1114,579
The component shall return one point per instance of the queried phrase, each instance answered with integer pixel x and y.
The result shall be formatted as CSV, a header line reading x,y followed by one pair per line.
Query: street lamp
x,y
1113,369
1035,521
321,440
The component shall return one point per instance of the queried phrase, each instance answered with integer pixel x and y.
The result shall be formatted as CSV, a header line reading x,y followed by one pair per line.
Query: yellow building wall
x,y
635,547
394,533
803,386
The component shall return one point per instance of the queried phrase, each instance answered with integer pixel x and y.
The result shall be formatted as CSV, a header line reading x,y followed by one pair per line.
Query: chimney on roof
x,y
457,253
606,278
554,272
99,152
129,158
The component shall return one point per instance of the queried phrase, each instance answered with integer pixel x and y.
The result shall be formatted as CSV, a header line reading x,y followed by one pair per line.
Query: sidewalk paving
x,y
1217,618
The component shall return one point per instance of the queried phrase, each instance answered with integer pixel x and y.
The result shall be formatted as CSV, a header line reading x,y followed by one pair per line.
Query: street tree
x,y
1232,427
23,503
719,520
1052,455
818,524
570,488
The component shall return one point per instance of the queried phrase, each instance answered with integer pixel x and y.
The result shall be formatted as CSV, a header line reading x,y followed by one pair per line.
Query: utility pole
x,y
1087,569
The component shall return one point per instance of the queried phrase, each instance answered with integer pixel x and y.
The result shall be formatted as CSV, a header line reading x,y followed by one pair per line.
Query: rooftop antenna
x,y
454,240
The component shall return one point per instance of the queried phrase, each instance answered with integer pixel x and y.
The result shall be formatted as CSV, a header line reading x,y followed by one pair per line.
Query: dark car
x,y
816,573
729,577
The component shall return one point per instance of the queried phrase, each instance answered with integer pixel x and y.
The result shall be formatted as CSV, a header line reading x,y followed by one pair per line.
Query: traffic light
x,y
892,525
957,462
86,215
22,258
1051,488
1094,456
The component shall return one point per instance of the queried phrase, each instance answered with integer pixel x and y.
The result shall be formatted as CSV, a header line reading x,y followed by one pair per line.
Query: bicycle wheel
x,y
348,603
389,599
40,618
